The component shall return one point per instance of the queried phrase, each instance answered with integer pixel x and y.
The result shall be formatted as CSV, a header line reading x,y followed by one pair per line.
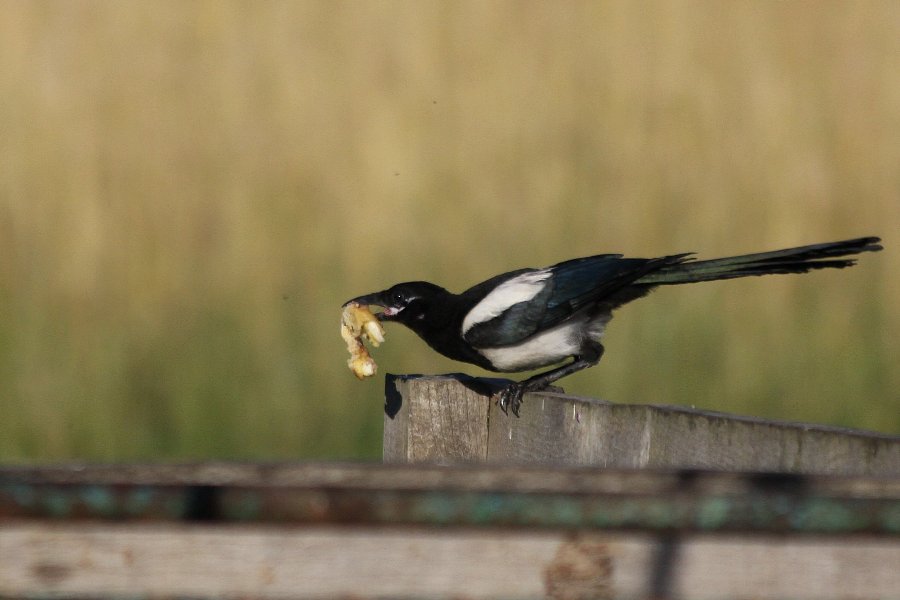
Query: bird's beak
x,y
367,300
375,299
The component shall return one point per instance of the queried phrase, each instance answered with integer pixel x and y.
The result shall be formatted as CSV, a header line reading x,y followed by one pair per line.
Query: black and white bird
x,y
533,318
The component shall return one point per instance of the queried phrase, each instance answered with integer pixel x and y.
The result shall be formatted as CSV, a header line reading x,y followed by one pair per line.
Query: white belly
x,y
546,348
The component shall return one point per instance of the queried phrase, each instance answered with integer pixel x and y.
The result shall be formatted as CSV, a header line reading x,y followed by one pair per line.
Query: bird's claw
x,y
510,398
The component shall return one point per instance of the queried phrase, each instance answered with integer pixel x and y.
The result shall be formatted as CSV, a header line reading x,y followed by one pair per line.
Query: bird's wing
x,y
606,278
507,308
533,300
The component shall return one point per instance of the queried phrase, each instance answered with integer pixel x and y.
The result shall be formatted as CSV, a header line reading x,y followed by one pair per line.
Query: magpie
x,y
533,318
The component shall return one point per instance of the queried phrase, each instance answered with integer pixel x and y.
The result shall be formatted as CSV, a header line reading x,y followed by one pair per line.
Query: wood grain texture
x,y
424,477
376,553
108,561
558,429
445,424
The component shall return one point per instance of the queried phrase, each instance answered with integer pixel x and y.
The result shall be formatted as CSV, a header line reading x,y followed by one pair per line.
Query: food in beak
x,y
358,324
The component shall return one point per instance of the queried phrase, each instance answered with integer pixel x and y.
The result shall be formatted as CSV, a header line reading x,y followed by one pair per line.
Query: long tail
x,y
791,260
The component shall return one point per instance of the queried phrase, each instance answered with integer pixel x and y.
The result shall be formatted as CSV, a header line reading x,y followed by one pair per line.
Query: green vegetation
x,y
188,191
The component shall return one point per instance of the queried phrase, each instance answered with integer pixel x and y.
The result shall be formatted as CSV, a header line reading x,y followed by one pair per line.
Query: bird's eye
x,y
398,298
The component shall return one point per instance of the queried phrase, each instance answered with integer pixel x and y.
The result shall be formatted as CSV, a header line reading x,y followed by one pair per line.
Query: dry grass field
x,y
189,191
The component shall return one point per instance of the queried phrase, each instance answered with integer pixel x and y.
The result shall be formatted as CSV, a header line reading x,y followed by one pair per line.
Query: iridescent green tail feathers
x,y
791,260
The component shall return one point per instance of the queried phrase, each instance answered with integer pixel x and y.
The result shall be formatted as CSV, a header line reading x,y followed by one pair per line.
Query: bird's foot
x,y
510,398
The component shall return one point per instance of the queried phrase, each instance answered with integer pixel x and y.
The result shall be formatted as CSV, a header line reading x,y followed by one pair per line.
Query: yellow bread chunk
x,y
358,324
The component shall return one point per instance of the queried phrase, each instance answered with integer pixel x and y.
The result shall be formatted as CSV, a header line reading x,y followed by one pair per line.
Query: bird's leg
x,y
510,397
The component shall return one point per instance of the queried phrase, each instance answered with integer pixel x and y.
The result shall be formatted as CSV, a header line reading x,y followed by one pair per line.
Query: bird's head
x,y
406,303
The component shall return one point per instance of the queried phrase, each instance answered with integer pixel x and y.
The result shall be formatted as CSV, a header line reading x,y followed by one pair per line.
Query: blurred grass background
x,y
189,191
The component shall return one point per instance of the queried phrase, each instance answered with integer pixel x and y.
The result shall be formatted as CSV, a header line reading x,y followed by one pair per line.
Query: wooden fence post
x,y
452,418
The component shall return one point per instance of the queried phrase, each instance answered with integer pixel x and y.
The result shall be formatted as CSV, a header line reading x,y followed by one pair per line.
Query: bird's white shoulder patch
x,y
521,288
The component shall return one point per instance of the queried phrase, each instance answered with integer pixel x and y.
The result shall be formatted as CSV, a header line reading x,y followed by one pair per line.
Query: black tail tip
x,y
852,246
872,244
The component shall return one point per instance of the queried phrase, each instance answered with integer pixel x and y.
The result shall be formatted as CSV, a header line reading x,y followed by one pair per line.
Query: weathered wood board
x,y
109,561
449,419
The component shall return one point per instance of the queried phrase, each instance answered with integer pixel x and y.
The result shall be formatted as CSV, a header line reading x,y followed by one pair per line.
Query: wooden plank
x,y
557,429
479,531
427,477
463,496
446,424
107,561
